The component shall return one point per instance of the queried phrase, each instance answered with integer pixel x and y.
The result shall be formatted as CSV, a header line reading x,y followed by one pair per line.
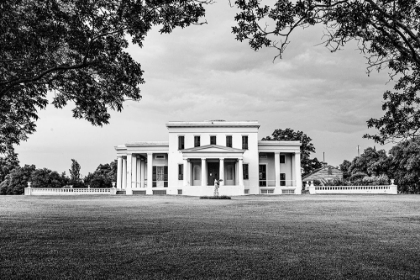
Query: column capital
x,y
149,153
277,152
120,156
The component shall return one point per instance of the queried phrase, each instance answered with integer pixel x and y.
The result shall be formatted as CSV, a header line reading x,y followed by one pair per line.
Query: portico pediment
x,y
212,149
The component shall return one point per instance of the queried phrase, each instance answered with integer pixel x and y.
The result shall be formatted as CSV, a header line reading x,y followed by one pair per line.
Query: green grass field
x,y
254,237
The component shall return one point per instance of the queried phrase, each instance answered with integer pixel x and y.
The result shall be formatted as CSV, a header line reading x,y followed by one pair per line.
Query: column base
x,y
149,191
129,192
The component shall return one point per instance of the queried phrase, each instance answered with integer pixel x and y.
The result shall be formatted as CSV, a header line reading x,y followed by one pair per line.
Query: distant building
x,y
198,153
324,174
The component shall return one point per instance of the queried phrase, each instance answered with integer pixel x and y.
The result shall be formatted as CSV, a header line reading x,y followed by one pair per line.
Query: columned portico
x,y
149,173
298,174
128,189
203,172
277,168
124,174
222,171
119,175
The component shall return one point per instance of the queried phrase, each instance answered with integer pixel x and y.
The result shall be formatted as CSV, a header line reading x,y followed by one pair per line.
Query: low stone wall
x,y
70,191
378,189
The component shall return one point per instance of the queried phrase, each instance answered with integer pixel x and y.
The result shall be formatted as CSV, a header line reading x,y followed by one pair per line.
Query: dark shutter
x,y
154,176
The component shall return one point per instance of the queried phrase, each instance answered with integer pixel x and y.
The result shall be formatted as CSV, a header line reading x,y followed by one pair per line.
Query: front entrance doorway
x,y
213,172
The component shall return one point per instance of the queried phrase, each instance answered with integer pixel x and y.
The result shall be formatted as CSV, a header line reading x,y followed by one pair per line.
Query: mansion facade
x,y
198,153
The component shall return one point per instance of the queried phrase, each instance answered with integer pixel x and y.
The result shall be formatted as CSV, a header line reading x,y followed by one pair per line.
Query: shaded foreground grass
x,y
269,237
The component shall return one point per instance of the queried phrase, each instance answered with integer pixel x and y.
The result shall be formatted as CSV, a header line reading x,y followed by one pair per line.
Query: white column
x,y
277,167
119,172
241,172
222,171
128,190
185,178
124,174
298,175
138,176
203,172
133,172
149,173
142,165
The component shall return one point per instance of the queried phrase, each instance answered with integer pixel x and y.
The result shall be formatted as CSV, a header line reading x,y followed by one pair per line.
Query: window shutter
x,y
154,176
165,176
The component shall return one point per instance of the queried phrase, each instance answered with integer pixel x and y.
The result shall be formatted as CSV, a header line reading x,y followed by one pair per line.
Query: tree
x,y
45,178
76,49
306,147
404,162
387,34
345,167
17,180
74,172
9,162
370,162
103,176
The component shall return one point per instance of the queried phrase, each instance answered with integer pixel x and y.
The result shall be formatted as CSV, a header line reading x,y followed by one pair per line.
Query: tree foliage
x,y
77,50
387,32
404,164
45,178
370,162
8,162
103,176
306,147
74,172
17,180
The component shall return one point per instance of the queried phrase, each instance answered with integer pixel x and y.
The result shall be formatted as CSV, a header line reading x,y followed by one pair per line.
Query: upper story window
x,y
245,142
212,140
181,145
196,141
282,159
229,141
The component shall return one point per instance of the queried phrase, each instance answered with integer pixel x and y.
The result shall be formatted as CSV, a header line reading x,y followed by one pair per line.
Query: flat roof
x,y
213,123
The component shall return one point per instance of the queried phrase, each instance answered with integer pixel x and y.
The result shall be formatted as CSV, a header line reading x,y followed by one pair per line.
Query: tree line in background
x,y
14,178
402,164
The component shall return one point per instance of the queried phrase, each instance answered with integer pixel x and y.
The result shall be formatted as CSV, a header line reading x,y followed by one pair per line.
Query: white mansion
x,y
197,153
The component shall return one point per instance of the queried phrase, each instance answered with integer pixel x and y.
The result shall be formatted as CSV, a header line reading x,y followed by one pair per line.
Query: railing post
x,y
393,188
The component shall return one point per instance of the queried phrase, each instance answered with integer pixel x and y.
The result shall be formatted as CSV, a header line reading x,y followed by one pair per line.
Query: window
x,y
329,170
229,141
181,143
245,142
160,176
282,159
180,172
246,172
212,140
282,179
159,156
196,141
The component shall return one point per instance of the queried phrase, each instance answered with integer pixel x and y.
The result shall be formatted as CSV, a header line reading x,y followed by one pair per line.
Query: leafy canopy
x,y
387,32
76,50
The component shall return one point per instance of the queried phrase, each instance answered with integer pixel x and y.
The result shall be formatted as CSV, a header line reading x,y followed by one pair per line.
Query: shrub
x,y
215,197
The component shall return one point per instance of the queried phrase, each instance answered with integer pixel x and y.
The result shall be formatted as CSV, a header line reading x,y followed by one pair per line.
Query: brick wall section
x,y
323,174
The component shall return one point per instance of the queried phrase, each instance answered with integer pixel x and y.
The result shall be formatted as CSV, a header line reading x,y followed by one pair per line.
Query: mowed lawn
x,y
253,237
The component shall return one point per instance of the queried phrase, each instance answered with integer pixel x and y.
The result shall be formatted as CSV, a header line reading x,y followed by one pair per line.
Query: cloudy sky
x,y
202,72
